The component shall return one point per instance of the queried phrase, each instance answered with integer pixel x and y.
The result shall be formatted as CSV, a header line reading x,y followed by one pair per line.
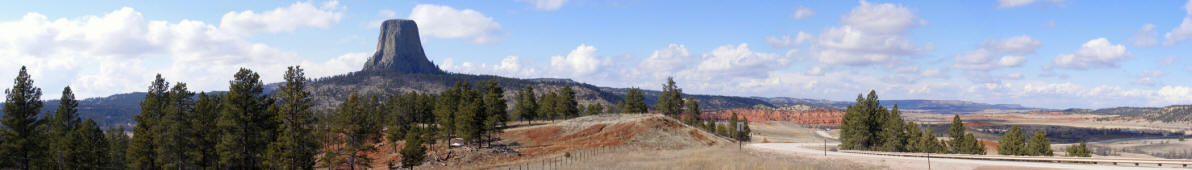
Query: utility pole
x,y
928,160
740,129
825,147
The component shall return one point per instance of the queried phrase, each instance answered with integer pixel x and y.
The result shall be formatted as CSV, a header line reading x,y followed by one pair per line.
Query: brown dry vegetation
x,y
612,141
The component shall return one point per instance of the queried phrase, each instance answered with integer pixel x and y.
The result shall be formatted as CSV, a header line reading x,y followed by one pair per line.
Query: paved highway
x,y
895,161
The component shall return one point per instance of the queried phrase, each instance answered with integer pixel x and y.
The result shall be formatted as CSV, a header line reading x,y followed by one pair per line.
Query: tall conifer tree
x,y
88,149
359,128
64,121
246,122
635,102
294,147
893,132
117,147
1012,142
1038,144
205,130
21,135
142,149
670,101
174,129
568,105
527,104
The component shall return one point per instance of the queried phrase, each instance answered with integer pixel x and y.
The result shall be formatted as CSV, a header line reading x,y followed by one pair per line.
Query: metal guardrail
x,y
1114,161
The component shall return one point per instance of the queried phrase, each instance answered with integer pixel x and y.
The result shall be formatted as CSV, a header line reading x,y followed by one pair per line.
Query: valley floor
x,y
806,151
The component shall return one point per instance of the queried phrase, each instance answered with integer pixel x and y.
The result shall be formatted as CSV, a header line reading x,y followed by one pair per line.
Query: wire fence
x,y
573,159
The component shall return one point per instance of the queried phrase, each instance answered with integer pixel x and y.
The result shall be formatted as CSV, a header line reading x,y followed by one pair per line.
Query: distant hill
x,y
331,91
1173,113
116,109
934,106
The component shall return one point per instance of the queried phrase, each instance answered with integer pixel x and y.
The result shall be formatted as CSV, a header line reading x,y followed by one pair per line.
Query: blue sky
x,y
1039,53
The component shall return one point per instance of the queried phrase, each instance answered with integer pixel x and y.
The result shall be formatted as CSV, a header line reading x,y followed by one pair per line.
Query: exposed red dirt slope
x,y
631,130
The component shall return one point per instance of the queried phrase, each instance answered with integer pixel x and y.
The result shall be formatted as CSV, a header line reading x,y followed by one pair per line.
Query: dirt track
x,y
897,162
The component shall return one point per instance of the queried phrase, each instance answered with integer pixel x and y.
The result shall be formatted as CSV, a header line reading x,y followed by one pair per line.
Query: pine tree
x,y
445,109
173,128
117,147
635,102
693,112
595,109
413,153
205,132
21,137
970,145
246,122
723,130
956,131
875,114
548,106
1012,143
670,103
88,149
64,121
424,106
360,129
929,143
854,126
400,116
527,104
494,106
1038,145
913,134
893,132
142,148
327,132
568,105
1079,150
469,120
620,107
293,148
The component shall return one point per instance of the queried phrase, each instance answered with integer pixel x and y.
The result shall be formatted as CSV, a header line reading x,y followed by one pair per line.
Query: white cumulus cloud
x,y
982,59
447,22
739,61
580,62
667,60
120,51
871,34
282,19
510,66
1182,32
1096,53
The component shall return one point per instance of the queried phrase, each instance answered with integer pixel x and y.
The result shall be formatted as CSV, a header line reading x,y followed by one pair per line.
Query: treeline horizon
x,y
244,128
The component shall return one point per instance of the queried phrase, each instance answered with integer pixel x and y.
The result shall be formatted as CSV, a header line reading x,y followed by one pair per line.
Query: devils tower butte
x,y
400,50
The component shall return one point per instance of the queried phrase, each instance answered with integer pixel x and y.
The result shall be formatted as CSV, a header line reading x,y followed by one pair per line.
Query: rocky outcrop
x,y
818,116
400,50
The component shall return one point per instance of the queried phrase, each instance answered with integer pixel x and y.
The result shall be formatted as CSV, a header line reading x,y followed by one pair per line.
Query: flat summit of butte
x,y
400,50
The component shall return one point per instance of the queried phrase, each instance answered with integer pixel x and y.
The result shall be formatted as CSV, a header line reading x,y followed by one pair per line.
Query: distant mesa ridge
x,y
400,50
